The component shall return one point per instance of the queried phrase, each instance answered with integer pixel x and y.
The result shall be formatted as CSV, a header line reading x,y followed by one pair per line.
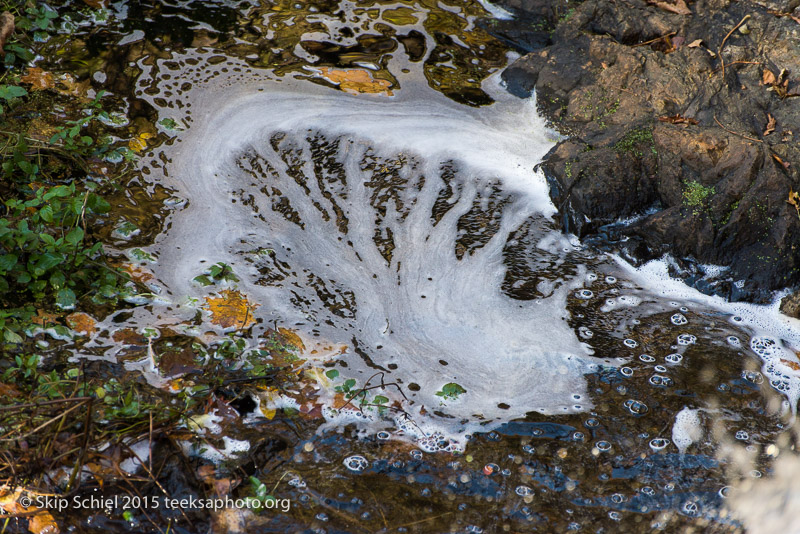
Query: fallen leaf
x,y
66,84
231,309
43,523
83,323
789,363
678,6
137,273
695,44
356,81
770,124
678,119
7,390
129,336
38,78
292,338
44,319
96,4
767,77
139,143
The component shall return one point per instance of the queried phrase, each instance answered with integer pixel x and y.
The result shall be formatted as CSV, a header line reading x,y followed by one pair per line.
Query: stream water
x,y
377,196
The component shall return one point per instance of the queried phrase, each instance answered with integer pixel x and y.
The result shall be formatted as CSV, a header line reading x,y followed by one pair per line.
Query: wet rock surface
x,y
684,124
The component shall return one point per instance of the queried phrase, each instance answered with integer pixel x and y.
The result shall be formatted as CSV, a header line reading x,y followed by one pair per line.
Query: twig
x,y
670,34
721,46
741,63
736,133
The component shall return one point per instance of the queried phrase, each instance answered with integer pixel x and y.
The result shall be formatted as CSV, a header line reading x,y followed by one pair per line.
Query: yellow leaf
x,y
292,338
356,81
139,143
43,523
231,309
318,374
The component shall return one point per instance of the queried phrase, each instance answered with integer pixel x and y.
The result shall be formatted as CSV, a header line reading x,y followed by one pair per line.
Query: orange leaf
x,y
790,363
43,523
355,81
231,309
38,78
83,323
767,77
291,337
44,319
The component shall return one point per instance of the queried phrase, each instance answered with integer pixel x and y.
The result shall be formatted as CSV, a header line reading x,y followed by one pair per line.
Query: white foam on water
x,y
775,337
687,429
496,11
249,155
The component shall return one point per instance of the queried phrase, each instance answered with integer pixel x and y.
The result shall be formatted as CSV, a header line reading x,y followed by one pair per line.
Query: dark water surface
x,y
361,170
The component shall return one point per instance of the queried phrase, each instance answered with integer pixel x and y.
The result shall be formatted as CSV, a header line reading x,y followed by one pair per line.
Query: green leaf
x,y
203,280
57,280
74,236
7,92
11,337
380,399
46,213
65,298
48,260
451,391
48,239
7,262
333,373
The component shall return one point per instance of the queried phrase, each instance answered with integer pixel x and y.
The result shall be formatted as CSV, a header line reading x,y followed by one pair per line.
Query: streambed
x,y
405,236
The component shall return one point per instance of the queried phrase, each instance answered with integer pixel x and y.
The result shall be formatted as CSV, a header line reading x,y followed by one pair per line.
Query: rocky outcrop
x,y
683,118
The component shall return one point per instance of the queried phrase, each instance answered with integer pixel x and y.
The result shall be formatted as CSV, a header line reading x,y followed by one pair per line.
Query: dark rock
x,y
656,130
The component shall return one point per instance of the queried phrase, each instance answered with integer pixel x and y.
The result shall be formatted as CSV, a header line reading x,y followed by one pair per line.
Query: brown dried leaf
x,y
678,6
43,523
790,363
695,44
83,323
231,309
767,77
678,119
292,338
129,336
770,124
44,319
96,4
6,27
356,81
38,78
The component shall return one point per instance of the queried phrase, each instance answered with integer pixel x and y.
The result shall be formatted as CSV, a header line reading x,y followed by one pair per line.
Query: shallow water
x,y
413,230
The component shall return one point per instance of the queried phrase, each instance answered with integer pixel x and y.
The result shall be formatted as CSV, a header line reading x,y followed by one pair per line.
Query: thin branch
x,y
721,46
736,133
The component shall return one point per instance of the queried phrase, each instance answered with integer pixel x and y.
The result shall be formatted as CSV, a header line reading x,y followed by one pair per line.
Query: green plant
x,y
43,253
216,273
695,196
10,94
451,391
635,140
